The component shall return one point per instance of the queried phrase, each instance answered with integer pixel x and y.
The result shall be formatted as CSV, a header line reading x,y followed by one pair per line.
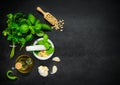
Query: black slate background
x,y
89,46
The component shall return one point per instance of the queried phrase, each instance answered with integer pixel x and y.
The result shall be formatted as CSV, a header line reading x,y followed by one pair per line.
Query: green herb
x,y
46,27
47,45
38,27
10,75
21,28
29,37
12,51
45,38
24,28
31,18
40,42
41,33
50,50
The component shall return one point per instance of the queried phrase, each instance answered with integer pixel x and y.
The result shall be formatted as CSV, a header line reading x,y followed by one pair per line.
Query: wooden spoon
x,y
49,17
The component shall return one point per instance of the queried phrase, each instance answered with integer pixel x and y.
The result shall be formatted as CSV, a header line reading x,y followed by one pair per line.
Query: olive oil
x,y
24,64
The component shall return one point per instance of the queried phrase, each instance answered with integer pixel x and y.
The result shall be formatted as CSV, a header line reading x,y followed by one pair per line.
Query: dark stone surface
x,y
89,46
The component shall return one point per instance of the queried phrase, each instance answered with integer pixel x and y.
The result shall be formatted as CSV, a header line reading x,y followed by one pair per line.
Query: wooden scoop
x,y
49,17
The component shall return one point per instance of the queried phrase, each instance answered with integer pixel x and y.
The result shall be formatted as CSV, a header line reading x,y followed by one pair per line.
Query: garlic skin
x,y
54,69
56,59
43,70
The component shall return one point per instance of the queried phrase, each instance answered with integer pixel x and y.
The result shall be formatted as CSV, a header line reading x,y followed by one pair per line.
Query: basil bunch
x,y
22,28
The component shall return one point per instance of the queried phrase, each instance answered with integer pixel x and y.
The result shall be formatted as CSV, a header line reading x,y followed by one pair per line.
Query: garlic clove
x,y
54,69
43,70
56,59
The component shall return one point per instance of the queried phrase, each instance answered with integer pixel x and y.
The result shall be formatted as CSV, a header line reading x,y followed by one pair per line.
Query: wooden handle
x,y
40,10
